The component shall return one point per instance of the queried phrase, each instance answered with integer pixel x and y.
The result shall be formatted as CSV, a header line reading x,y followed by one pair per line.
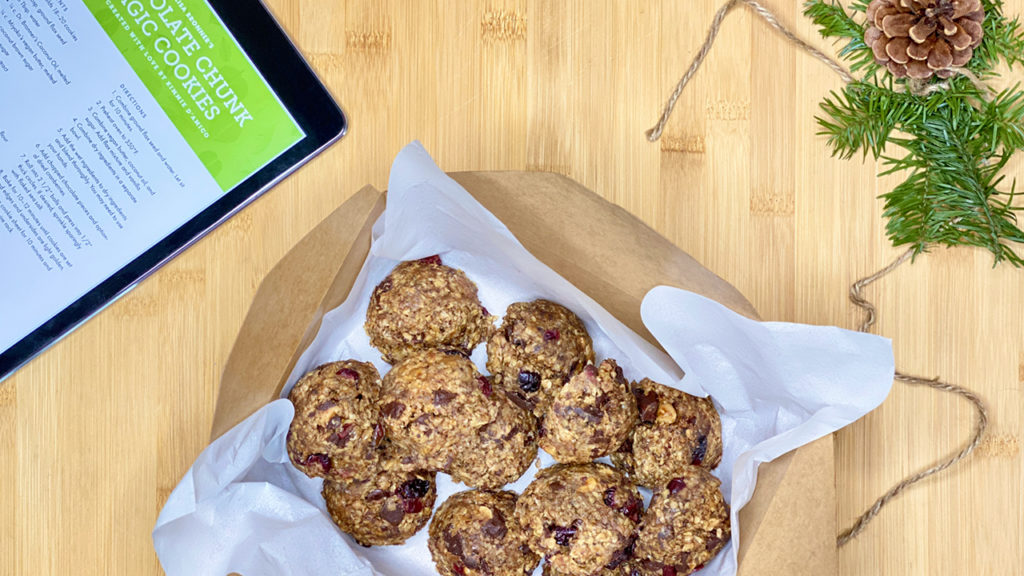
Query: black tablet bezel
x,y
309,103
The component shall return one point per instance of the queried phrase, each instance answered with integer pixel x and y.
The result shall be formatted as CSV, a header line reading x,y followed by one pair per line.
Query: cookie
x,y
675,430
475,533
335,429
424,304
590,416
383,510
623,569
538,347
580,517
686,525
499,452
437,406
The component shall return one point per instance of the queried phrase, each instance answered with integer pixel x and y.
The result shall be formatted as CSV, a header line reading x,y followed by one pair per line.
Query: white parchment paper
x,y
243,507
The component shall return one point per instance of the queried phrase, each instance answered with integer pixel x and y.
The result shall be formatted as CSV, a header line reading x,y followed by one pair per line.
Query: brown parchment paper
x,y
789,525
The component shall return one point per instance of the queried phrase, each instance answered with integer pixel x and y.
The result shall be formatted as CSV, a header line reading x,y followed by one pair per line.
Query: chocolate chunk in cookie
x,y
383,510
437,406
499,452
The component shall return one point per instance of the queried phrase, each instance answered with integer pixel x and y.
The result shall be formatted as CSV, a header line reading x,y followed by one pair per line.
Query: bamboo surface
x,y
96,432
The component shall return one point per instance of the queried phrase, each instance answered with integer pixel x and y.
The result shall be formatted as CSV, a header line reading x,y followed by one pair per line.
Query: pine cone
x,y
919,38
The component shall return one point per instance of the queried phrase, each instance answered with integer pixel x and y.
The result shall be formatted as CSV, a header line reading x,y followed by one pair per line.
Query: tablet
x,y
129,129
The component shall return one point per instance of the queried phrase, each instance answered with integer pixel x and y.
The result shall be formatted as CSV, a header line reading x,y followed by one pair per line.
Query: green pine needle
x,y
1002,40
953,143
836,23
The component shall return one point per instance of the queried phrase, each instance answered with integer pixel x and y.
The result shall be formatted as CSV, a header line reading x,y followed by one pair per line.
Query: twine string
x,y
856,290
860,285
716,24
924,88
857,297
917,88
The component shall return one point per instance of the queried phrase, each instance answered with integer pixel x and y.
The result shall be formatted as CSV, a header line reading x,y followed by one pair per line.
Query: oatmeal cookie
x,y
590,416
437,406
335,429
538,347
625,568
499,452
385,509
474,533
686,525
580,517
424,304
676,430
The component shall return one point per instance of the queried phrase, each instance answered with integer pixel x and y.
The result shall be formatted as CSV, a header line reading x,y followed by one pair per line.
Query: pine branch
x,y
955,141
951,196
863,115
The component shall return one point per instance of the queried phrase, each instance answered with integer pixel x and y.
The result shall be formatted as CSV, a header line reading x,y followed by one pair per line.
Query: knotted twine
x,y
856,290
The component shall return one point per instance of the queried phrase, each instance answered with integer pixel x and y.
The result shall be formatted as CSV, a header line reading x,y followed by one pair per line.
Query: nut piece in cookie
x,y
538,347
580,517
385,509
590,416
475,533
676,430
335,429
686,525
499,452
424,304
438,407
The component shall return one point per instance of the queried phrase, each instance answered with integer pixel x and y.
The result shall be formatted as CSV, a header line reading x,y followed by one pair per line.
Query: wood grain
x,y
96,432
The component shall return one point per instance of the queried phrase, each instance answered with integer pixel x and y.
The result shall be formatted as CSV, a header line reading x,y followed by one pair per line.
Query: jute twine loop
x,y
917,88
979,430
857,288
768,16
923,88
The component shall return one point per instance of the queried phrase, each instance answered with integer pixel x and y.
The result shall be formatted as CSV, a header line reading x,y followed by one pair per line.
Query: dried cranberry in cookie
x,y
424,304
538,347
675,430
335,428
590,416
475,533
580,517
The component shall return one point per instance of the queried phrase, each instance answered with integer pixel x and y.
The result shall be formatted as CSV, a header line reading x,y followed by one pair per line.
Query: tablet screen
x,y
120,120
